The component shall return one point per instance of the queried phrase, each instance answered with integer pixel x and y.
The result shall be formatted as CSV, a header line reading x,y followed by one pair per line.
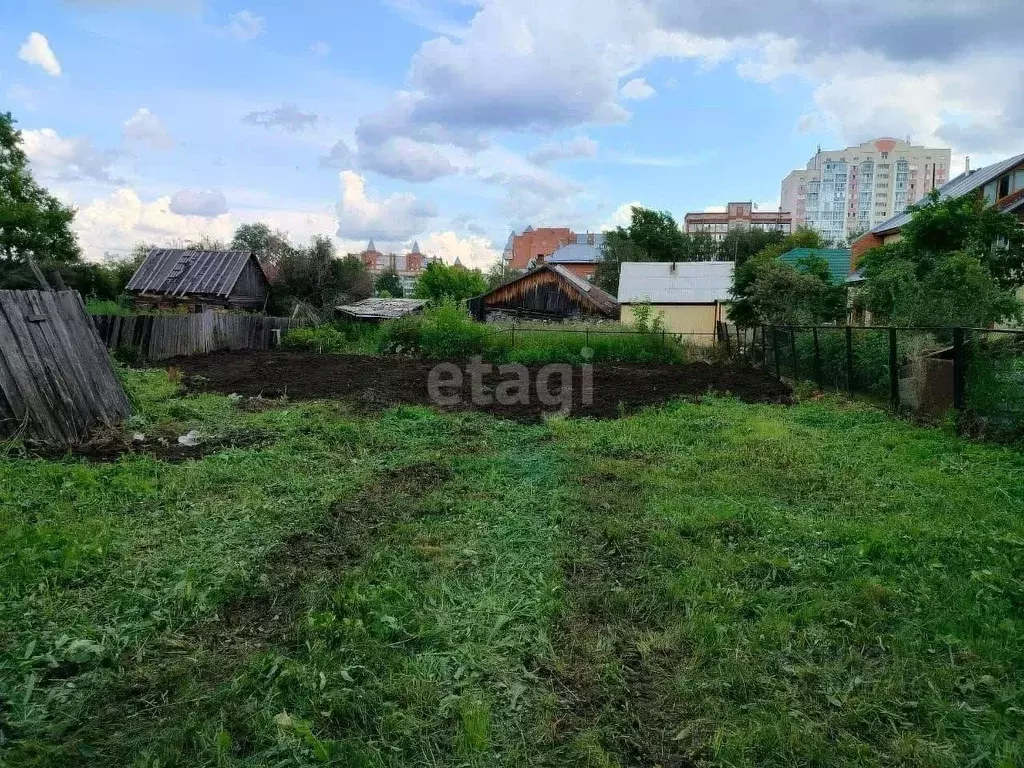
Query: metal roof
x,y
958,187
576,253
681,282
838,260
179,272
381,309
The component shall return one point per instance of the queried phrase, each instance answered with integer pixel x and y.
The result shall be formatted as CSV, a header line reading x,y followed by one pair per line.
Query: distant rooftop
x,y
838,260
681,282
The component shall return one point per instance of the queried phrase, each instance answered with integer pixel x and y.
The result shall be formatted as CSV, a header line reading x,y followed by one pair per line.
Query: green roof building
x,y
838,260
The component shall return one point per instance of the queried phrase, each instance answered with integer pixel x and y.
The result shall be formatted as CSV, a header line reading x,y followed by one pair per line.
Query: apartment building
x,y
409,266
536,245
849,191
736,216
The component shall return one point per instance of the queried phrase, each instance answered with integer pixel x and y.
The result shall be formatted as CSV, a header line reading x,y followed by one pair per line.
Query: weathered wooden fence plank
x,y
56,379
165,336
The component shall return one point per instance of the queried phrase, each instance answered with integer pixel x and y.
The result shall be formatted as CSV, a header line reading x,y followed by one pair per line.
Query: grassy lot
x,y
703,584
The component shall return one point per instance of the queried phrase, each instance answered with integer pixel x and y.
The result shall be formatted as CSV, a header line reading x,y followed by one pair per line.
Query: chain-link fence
x,y
927,372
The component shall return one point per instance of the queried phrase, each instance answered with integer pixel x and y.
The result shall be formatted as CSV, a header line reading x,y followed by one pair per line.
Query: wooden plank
x,y
88,379
25,368
107,387
71,407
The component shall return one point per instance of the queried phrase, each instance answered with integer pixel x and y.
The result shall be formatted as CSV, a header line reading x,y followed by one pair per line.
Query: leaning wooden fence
x,y
56,379
163,336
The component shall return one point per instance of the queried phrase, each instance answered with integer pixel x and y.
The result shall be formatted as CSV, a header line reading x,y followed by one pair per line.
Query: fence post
x,y
959,369
775,350
817,358
587,338
894,372
764,346
513,335
849,361
723,333
792,349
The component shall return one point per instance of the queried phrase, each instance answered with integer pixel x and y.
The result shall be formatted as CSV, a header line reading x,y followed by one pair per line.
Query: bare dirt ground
x,y
375,383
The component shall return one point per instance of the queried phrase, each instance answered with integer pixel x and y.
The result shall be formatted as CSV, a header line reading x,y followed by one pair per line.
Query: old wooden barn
x,y
199,280
549,292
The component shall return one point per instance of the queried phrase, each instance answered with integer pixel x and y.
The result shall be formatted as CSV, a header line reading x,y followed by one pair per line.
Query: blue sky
x,y
454,121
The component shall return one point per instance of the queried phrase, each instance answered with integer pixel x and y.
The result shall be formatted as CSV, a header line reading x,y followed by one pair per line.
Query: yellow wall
x,y
685,318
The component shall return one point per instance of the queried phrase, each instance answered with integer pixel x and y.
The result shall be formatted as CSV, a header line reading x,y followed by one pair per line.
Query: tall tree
x,y
390,284
269,246
744,310
32,221
441,282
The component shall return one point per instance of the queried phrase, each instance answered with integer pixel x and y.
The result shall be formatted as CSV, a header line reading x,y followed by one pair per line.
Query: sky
x,y
452,122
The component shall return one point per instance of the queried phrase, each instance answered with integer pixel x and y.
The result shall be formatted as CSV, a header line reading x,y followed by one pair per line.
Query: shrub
x,y
449,333
322,338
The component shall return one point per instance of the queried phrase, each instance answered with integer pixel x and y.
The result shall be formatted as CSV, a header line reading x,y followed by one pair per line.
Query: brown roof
x,y
588,293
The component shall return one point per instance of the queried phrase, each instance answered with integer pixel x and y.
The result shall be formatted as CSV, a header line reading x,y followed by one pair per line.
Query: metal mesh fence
x,y
927,372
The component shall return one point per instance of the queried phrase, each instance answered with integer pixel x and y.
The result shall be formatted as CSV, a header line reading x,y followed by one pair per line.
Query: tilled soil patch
x,y
374,383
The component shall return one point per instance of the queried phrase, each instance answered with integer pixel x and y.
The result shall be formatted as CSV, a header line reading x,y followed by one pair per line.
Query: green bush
x,y
449,333
323,338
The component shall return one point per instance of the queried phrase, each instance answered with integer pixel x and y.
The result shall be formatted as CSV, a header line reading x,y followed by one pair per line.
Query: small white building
x,y
689,295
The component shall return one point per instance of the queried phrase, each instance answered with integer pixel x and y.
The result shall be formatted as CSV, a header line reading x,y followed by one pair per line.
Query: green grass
x,y
710,583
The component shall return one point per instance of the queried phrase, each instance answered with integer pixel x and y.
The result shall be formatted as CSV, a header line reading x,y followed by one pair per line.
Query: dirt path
x,y
375,383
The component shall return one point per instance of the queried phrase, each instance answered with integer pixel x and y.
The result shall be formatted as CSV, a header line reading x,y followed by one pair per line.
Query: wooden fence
x,y
56,379
164,336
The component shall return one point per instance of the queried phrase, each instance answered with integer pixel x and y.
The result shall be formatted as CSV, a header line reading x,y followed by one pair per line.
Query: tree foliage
x,y
32,221
500,273
767,291
389,284
440,283
958,263
656,236
314,275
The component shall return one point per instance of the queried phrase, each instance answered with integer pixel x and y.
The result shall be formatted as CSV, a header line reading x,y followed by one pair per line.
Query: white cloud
x,y
287,116
245,25
621,216
115,223
339,156
637,89
579,147
320,48
36,50
57,157
397,217
206,203
407,159
473,251
146,128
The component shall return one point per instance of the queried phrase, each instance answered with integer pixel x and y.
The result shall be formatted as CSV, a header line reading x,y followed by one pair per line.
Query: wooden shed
x,y
199,280
550,291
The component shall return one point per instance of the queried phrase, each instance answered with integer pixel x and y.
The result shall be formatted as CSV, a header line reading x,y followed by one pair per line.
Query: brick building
x,y
536,245
409,266
717,224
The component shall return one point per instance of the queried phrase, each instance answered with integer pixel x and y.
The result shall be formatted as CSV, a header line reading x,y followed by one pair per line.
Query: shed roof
x,y
601,300
958,187
381,309
681,282
180,272
838,260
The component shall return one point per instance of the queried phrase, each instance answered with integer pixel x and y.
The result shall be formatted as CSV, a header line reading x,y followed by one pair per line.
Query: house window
x,y
1004,187
990,192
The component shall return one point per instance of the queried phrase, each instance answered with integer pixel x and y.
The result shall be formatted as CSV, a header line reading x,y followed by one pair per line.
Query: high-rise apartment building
x,y
848,191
